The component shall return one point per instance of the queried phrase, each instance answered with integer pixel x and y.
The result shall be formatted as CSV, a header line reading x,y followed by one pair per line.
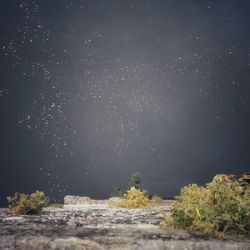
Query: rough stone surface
x,y
96,226
76,200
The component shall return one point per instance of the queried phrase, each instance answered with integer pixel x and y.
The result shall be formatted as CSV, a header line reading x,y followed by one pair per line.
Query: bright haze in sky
x,y
94,90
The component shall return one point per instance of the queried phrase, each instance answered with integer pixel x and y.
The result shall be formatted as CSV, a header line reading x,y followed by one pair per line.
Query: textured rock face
x,y
71,200
76,200
96,226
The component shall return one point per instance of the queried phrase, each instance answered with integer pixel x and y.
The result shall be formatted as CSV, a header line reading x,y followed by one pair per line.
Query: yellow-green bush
x,y
134,198
56,205
156,199
222,207
27,204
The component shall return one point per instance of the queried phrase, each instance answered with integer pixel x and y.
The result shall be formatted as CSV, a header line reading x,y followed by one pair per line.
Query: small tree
x,y
134,180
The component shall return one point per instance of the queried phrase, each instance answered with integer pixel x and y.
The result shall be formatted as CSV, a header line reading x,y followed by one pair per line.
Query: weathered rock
x,y
76,200
41,242
114,199
100,227
16,219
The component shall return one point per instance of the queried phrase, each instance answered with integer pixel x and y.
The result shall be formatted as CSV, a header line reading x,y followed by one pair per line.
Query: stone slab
x,y
100,227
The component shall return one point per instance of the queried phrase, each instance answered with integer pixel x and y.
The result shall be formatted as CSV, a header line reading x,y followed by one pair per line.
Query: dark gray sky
x,y
92,91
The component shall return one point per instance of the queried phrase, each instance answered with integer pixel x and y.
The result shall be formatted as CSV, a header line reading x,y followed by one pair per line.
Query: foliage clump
x,y
134,198
27,204
135,181
220,208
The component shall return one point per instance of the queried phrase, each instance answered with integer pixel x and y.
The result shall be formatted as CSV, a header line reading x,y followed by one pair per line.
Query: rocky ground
x,y
89,224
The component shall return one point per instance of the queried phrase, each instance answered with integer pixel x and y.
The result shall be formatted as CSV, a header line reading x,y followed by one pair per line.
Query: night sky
x,y
93,90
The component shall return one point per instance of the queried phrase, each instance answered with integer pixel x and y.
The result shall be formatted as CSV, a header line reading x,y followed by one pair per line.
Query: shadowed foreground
x,y
96,226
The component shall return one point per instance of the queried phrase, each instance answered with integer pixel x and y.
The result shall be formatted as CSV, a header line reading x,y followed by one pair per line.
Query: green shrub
x,y
134,182
27,204
222,207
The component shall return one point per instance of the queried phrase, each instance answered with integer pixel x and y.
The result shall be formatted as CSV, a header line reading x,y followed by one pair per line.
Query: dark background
x,y
91,91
